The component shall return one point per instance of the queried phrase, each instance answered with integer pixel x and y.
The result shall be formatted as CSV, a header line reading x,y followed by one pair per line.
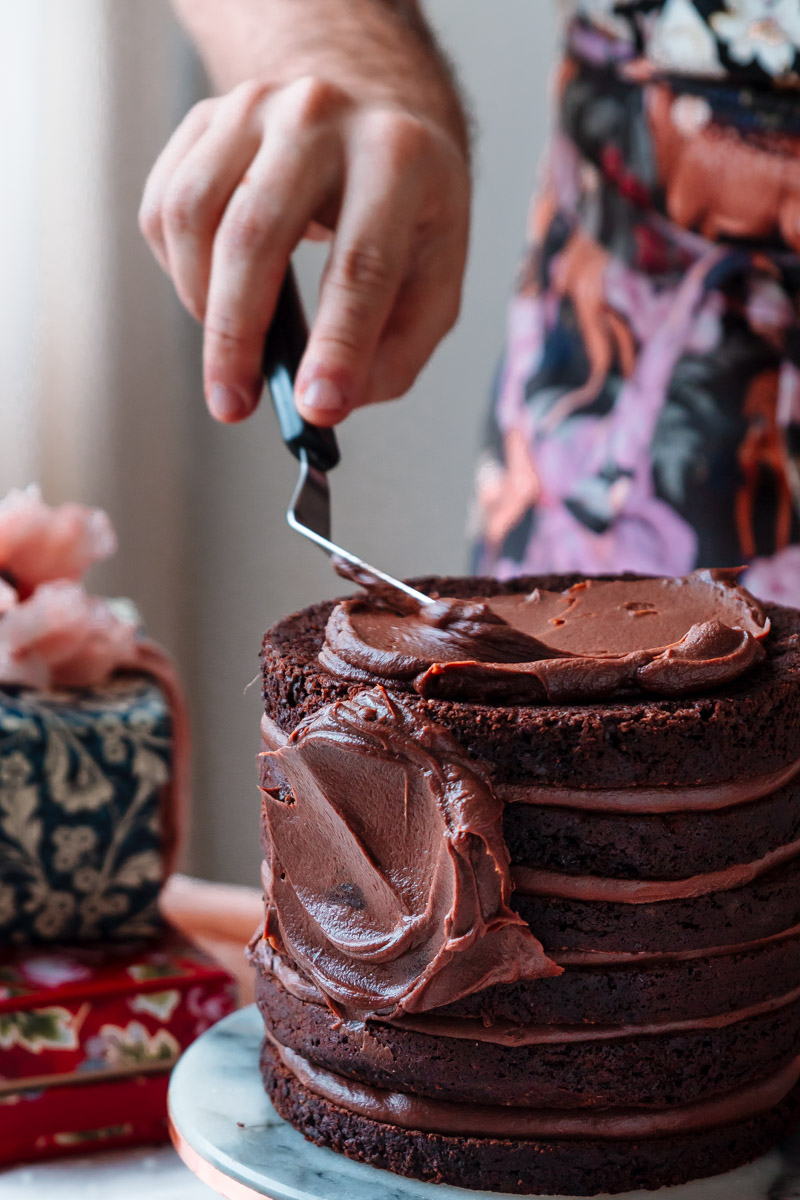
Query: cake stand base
x,y
228,1133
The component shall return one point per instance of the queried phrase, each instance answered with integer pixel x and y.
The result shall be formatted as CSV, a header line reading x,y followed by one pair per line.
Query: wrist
x,y
378,51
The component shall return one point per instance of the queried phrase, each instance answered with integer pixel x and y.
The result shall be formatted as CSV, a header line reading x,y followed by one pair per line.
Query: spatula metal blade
x,y
309,513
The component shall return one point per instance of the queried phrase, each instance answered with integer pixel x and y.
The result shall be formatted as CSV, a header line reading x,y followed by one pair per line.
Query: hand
x,y
245,177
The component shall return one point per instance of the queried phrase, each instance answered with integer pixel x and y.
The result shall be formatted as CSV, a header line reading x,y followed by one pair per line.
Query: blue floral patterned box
x,y
87,823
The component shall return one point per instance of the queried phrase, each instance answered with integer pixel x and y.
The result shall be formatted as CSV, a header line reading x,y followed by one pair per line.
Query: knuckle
x,y
341,341
150,221
364,269
200,114
250,91
243,232
183,208
313,100
248,95
405,139
227,336
204,109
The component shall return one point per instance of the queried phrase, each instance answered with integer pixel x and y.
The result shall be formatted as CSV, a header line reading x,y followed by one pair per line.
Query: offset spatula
x,y
316,449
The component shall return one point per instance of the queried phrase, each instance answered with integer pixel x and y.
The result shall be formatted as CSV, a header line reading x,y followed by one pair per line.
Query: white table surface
x,y
154,1173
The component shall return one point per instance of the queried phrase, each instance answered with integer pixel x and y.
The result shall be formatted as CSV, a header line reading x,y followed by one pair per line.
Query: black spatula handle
x,y
283,350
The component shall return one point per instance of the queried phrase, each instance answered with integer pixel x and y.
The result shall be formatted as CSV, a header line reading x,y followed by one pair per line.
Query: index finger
x,y
188,133
265,219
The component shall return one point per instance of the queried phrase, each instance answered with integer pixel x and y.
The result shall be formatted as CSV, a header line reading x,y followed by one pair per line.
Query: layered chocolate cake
x,y
532,872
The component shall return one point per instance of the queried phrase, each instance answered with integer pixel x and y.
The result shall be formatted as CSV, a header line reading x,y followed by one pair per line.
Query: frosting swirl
x,y
407,908
595,640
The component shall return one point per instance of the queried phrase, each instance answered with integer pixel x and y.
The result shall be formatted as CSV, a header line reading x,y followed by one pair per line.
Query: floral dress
x,y
647,412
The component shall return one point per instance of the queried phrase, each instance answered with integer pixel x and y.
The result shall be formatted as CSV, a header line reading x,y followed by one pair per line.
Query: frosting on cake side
x,y
388,878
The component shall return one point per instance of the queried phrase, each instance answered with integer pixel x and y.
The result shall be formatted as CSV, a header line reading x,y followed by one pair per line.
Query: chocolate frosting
x,y
597,639
639,958
388,880
505,1121
698,798
534,881
506,1033
666,799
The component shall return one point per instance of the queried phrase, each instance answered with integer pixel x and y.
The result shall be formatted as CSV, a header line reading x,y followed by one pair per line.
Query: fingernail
x,y
322,395
227,403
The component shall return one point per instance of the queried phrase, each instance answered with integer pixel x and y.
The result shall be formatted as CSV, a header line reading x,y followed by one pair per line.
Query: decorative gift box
x,y
95,1116
88,1037
85,817
93,739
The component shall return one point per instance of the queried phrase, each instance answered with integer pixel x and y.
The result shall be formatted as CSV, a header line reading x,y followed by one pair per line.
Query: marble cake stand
x,y
228,1133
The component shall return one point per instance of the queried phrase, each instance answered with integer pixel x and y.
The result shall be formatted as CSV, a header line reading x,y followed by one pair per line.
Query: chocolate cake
x,y
532,875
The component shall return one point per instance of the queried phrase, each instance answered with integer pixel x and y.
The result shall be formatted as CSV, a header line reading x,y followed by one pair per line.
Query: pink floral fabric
x,y
39,544
647,413
52,633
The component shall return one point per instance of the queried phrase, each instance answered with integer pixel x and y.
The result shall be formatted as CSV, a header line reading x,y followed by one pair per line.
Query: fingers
x,y
367,264
244,178
190,130
292,176
202,184
393,287
426,310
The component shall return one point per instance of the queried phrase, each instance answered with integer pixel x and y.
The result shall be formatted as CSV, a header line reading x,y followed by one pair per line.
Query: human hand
x,y
246,176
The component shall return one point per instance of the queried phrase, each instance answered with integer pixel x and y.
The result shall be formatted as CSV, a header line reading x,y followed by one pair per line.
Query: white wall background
x,y
97,362
93,340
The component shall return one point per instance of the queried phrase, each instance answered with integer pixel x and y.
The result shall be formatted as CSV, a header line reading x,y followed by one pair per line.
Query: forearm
x,y
384,42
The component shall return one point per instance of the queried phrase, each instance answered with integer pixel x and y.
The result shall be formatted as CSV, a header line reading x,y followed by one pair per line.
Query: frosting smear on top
x,y
595,640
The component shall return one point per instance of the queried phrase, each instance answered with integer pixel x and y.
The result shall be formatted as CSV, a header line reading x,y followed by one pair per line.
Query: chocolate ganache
x,y
595,640
388,878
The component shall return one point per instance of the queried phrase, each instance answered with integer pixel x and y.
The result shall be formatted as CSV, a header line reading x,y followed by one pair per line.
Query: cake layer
x,y
561,885
644,989
575,1165
484,1119
748,730
765,906
576,1067
688,798
637,989
664,845
638,914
